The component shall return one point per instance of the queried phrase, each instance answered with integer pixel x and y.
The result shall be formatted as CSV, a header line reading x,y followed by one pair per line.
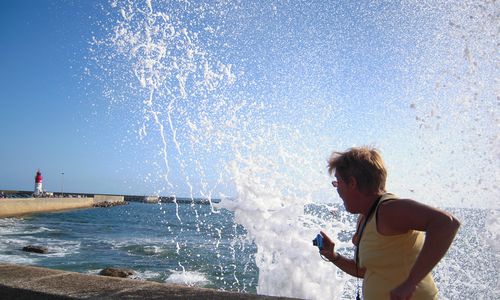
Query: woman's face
x,y
344,192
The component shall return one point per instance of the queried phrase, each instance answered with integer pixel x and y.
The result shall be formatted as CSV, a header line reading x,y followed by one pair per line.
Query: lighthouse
x,y
38,183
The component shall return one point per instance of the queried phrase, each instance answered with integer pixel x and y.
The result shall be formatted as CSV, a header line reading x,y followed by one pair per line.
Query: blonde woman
x,y
399,241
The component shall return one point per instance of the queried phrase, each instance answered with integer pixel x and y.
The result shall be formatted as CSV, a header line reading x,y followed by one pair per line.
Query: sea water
x,y
151,241
213,251
244,101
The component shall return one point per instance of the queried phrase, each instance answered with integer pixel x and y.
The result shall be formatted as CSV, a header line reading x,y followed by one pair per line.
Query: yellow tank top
x,y
388,260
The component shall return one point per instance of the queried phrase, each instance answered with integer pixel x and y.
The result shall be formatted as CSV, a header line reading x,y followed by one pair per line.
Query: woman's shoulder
x,y
402,215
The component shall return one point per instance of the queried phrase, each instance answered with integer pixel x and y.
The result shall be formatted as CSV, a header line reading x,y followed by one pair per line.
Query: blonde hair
x,y
365,164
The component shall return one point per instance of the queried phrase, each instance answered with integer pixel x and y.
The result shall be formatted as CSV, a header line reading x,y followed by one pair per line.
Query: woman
x,y
399,241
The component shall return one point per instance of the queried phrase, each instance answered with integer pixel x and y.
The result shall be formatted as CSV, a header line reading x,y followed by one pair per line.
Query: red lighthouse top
x,y
38,177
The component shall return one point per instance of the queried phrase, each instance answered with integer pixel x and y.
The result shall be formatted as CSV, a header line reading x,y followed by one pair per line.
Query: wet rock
x,y
117,272
36,249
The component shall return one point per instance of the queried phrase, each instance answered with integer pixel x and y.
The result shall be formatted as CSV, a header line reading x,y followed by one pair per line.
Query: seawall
x,y
108,198
27,283
13,207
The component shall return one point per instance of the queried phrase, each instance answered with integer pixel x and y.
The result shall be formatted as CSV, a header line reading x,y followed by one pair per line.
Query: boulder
x,y
117,272
36,249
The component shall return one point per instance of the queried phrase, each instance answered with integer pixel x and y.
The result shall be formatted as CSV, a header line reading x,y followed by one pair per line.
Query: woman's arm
x,y
400,216
345,264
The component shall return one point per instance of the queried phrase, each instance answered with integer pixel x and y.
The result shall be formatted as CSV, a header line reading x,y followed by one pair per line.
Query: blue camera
x,y
318,241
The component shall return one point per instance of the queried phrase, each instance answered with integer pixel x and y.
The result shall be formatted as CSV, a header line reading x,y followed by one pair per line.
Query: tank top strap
x,y
385,197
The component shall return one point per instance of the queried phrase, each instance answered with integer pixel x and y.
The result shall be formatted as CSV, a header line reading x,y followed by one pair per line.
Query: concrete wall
x,y
27,283
12,207
151,199
108,198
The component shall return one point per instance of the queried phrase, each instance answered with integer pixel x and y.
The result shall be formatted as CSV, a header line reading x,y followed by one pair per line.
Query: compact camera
x,y
318,241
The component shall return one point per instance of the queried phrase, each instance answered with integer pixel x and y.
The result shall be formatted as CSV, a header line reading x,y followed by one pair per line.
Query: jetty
x,y
19,203
19,206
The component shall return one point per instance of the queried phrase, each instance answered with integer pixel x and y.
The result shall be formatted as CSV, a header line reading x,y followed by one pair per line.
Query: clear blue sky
x,y
333,75
46,118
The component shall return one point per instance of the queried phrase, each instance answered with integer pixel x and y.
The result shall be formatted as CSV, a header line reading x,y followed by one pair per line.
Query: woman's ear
x,y
352,183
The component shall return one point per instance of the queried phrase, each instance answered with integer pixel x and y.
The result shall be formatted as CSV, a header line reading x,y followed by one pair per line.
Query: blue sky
x,y
45,110
324,75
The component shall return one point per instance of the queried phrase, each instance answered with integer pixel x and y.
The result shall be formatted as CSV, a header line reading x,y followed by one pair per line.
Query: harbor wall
x,y
108,198
14,207
29,283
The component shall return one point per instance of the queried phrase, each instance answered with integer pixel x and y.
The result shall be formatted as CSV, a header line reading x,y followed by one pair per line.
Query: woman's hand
x,y
347,265
328,250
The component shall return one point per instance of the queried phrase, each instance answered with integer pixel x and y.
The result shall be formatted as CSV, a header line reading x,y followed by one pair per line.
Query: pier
x,y
19,203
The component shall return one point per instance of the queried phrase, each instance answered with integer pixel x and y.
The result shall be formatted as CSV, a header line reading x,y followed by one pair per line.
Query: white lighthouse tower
x,y
38,183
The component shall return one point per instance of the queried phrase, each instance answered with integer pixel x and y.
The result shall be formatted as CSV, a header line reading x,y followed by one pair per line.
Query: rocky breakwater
x,y
108,204
108,200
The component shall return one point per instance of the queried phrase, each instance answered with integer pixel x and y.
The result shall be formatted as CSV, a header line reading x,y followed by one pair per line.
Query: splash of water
x,y
244,101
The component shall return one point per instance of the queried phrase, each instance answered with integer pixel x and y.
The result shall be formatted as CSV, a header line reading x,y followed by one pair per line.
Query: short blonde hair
x,y
365,164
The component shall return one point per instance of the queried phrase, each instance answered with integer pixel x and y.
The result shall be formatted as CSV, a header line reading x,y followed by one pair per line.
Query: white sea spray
x,y
261,122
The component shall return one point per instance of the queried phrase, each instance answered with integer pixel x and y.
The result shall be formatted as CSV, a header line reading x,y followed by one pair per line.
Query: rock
x,y
109,204
36,249
116,272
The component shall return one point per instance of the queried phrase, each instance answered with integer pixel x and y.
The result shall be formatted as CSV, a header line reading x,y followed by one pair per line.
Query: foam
x,y
189,278
11,226
147,275
288,263
93,271
493,230
60,248
18,259
152,249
